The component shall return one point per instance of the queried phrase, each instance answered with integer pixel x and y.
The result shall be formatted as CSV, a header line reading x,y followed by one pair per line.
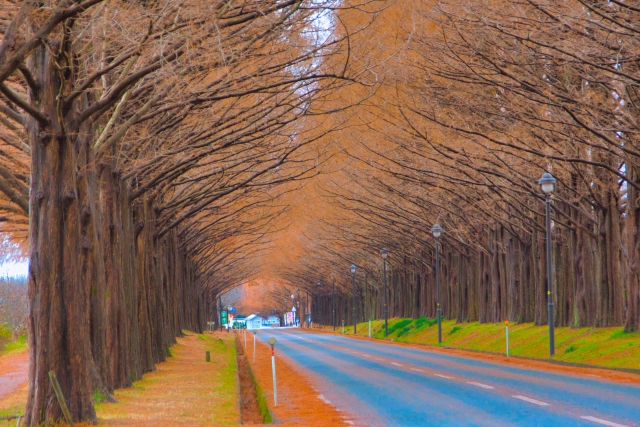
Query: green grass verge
x,y
606,347
8,345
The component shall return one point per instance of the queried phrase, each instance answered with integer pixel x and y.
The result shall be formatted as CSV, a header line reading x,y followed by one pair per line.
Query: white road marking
x,y
530,400
603,422
324,399
417,370
366,355
396,364
480,385
443,376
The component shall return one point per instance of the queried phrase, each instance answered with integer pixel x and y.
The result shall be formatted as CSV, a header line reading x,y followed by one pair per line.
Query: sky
x,y
14,269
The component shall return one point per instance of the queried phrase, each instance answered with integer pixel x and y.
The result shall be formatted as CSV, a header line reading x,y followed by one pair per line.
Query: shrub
x,y
455,329
569,349
405,330
399,324
620,334
425,321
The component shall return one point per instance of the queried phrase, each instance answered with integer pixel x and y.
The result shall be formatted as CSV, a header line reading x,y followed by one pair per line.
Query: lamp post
x,y
323,320
333,301
436,230
385,253
547,185
353,281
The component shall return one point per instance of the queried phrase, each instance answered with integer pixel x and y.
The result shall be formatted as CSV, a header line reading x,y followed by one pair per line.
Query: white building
x,y
254,322
273,321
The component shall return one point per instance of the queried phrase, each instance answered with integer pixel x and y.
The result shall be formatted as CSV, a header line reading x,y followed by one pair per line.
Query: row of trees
x,y
478,100
142,147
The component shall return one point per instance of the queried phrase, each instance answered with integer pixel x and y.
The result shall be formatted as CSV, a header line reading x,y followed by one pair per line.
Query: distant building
x,y
273,321
254,322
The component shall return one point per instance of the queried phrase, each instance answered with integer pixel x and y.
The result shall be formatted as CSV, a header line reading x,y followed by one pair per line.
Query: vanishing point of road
x,y
380,384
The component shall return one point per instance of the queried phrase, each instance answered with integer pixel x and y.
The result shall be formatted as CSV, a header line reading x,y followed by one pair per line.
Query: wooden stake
x,y
58,391
208,357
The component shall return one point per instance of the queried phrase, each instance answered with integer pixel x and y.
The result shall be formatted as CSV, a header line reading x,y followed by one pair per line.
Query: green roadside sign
x,y
224,317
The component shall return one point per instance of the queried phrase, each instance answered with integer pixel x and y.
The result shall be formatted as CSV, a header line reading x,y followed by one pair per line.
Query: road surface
x,y
391,385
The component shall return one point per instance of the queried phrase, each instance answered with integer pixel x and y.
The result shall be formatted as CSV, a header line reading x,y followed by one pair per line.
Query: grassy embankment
x,y
607,347
183,391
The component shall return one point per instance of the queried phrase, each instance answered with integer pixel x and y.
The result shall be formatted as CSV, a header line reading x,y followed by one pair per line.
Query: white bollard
x,y
507,333
254,346
272,343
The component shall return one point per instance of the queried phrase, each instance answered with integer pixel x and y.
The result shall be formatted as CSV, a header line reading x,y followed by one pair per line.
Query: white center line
x,y
366,355
396,364
530,400
603,422
480,385
443,376
417,370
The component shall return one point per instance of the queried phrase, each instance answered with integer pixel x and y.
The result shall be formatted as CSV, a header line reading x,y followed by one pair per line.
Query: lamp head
x,y
353,269
384,253
436,230
547,183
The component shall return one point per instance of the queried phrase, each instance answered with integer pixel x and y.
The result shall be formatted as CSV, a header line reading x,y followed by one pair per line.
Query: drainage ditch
x,y
253,405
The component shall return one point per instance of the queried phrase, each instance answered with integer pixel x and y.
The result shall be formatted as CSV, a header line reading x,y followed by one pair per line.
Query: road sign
x,y
293,309
224,317
232,309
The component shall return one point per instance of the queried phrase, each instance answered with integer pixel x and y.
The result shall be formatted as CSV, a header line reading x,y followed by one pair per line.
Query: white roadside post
x,y
244,332
369,328
255,332
343,326
507,333
272,343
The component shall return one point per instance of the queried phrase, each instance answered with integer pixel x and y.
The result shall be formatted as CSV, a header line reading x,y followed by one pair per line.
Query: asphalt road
x,y
390,385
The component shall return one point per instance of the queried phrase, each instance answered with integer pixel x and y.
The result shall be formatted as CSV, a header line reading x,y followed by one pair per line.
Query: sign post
x,y
224,317
507,333
272,343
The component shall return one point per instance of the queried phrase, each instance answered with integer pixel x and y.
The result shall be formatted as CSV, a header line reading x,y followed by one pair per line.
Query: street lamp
x,y
353,281
436,230
547,185
323,320
333,300
385,253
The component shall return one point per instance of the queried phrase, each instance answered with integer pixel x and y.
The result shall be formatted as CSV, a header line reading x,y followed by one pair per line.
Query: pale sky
x,y
14,269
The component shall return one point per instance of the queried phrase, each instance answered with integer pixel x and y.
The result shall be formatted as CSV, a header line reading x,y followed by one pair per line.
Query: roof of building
x,y
254,317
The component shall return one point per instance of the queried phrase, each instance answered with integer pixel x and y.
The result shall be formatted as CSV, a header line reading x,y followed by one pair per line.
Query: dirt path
x,y
13,372
299,403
